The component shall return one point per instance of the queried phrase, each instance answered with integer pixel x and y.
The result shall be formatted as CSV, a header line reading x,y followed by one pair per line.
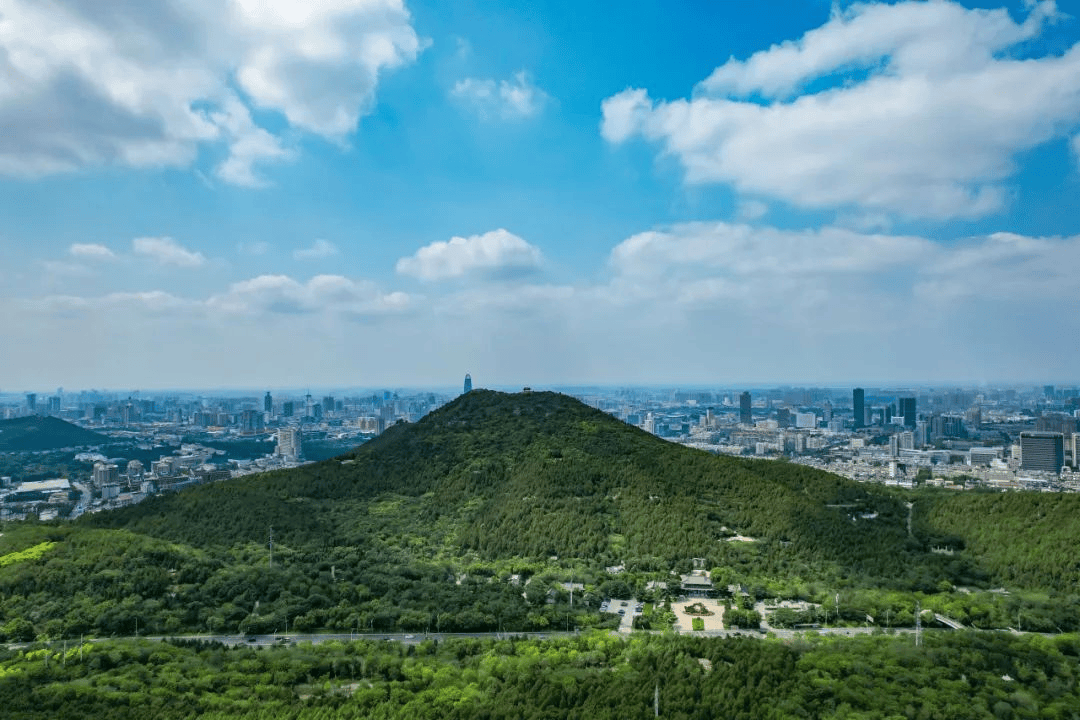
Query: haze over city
x,y
379,194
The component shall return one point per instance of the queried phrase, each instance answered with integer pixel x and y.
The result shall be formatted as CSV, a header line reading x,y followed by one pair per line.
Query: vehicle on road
x,y
251,639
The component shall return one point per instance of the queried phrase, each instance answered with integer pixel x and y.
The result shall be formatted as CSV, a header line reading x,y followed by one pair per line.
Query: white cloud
x,y
710,302
249,144
625,115
166,251
752,209
496,253
1006,266
282,295
513,99
131,304
924,113
91,251
316,251
255,248
148,84
747,251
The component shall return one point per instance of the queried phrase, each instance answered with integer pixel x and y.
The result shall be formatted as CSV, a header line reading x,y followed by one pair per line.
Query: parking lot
x,y
625,609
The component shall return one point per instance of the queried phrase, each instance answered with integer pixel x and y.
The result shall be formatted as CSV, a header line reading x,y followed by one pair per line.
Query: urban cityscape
x,y
419,359
1004,438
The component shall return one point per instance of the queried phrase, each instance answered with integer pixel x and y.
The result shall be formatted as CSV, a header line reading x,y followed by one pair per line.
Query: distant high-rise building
x,y
31,402
328,404
1043,451
105,474
907,409
746,414
1048,391
858,406
268,403
468,382
287,408
289,443
783,418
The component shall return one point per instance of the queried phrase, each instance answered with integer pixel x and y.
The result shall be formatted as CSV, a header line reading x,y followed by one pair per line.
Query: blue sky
x,y
371,193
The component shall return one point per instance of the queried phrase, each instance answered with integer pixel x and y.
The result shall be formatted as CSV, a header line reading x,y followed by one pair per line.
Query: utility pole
x,y
656,700
271,546
918,624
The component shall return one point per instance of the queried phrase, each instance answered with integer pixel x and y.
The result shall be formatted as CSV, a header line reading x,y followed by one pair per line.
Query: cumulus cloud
x,y
283,295
149,84
498,253
916,109
316,251
1006,266
166,251
746,251
797,279
512,99
90,251
737,301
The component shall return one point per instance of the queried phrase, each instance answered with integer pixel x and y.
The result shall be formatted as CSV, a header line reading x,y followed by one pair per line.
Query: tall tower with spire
x,y
468,382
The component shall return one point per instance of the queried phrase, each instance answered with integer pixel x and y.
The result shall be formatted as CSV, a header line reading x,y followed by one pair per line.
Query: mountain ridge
x,y
44,432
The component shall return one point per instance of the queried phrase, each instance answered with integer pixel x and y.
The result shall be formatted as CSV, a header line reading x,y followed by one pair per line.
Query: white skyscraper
x,y
289,443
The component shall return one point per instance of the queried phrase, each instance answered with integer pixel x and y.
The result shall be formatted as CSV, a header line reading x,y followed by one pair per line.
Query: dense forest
x,y
42,432
540,475
477,516
594,676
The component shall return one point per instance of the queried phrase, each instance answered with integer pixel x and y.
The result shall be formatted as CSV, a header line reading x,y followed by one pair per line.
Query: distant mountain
x,y
38,432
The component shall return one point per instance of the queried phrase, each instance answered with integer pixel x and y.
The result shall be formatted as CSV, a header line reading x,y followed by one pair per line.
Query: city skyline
x,y
378,194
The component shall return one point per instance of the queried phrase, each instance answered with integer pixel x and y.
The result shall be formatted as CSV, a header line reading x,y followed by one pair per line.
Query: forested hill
x,y
535,475
37,432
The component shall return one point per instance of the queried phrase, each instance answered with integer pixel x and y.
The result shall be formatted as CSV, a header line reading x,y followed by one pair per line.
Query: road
x,y
85,497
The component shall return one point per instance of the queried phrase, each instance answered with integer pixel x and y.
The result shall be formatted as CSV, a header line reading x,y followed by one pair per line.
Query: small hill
x,y
538,475
432,525
41,432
